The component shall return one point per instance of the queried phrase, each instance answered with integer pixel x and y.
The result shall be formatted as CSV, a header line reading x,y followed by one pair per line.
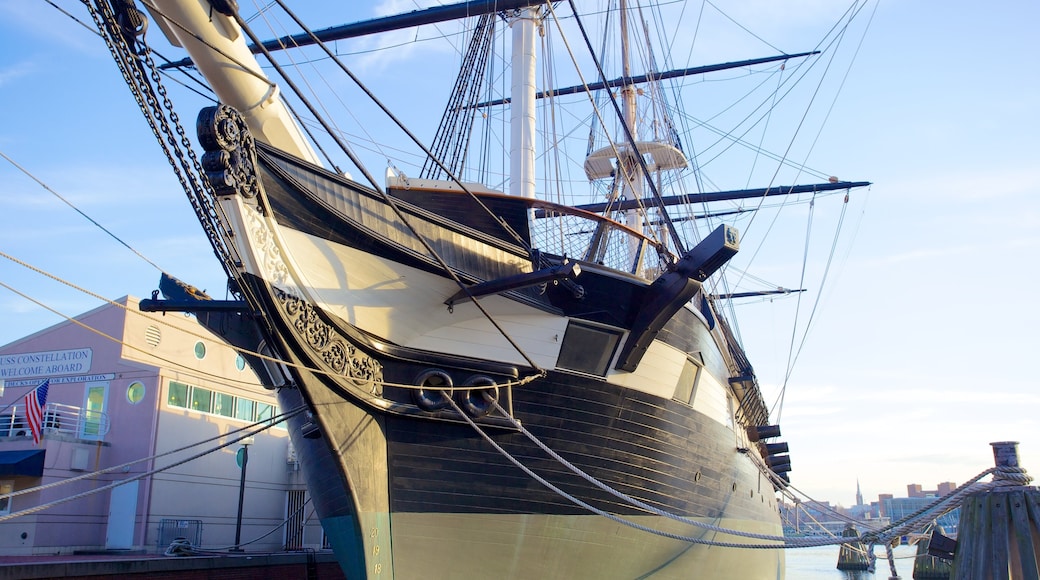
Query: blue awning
x,y
28,462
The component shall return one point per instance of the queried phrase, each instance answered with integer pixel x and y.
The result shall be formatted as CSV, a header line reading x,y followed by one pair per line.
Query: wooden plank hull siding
x,y
652,450
355,304
411,492
431,498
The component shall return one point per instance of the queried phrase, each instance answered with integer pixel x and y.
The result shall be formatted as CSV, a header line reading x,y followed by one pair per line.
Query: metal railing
x,y
58,419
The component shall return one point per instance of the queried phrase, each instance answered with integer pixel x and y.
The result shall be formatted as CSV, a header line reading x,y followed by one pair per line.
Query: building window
x,y
94,425
224,404
244,409
178,395
201,400
135,392
240,362
217,403
6,487
200,350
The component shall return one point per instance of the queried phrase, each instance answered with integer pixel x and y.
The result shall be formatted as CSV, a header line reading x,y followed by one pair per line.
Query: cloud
x,y
58,28
16,71
389,50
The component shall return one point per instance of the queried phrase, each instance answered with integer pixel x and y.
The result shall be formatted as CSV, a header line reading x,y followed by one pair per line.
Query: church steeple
x,y
859,494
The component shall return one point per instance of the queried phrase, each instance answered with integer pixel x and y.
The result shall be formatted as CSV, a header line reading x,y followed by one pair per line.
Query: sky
x,y
918,354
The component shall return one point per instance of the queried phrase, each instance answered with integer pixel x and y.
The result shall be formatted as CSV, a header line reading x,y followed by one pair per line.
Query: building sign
x,y
45,364
63,380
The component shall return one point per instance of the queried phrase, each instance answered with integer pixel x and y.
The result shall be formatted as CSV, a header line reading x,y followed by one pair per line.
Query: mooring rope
x,y
251,430
589,507
1002,477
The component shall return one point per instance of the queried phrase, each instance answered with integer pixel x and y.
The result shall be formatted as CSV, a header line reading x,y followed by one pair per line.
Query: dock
x,y
303,565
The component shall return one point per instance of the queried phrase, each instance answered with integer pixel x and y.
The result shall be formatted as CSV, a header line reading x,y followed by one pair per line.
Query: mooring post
x,y
997,536
853,554
927,566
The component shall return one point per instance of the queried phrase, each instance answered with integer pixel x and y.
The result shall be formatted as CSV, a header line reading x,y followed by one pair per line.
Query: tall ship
x,y
513,358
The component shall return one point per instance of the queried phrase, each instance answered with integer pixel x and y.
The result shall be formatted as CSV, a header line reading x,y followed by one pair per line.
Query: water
x,y
821,564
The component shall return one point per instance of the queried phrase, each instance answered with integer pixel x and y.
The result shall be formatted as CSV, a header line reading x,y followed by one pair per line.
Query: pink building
x,y
125,386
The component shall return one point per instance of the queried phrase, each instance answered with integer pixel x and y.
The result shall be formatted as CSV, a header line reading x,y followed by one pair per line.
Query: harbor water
x,y
821,564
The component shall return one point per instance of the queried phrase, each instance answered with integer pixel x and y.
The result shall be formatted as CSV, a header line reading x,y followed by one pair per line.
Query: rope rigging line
x,y
624,497
852,11
783,159
585,505
518,383
1003,476
391,203
793,353
265,14
786,542
375,100
816,304
130,310
198,193
79,211
277,419
148,91
680,247
222,550
625,175
765,126
196,80
49,505
841,219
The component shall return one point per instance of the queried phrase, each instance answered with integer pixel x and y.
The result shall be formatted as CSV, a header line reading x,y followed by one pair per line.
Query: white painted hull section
x,y
539,546
405,305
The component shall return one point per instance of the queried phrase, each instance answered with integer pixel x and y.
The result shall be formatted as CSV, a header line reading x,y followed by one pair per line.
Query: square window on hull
x,y
587,348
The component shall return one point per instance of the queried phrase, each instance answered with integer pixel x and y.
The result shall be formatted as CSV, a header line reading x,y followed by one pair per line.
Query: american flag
x,y
34,403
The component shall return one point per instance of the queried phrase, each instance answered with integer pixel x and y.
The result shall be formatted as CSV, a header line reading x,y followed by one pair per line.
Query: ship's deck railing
x,y
65,420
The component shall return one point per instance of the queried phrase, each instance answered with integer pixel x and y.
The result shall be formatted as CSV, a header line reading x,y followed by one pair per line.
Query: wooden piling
x,y
999,531
928,567
853,554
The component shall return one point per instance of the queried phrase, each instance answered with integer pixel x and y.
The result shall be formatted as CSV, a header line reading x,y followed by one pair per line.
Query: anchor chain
x,y
149,91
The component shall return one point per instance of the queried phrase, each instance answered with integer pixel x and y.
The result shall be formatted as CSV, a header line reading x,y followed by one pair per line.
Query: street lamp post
x,y
243,460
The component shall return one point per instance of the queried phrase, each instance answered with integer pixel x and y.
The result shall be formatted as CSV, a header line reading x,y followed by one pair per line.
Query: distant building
x,y
815,518
821,518
881,503
944,488
126,385
897,508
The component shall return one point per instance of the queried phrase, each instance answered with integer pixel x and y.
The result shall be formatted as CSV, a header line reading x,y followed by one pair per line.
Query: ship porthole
x,y
434,390
480,398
